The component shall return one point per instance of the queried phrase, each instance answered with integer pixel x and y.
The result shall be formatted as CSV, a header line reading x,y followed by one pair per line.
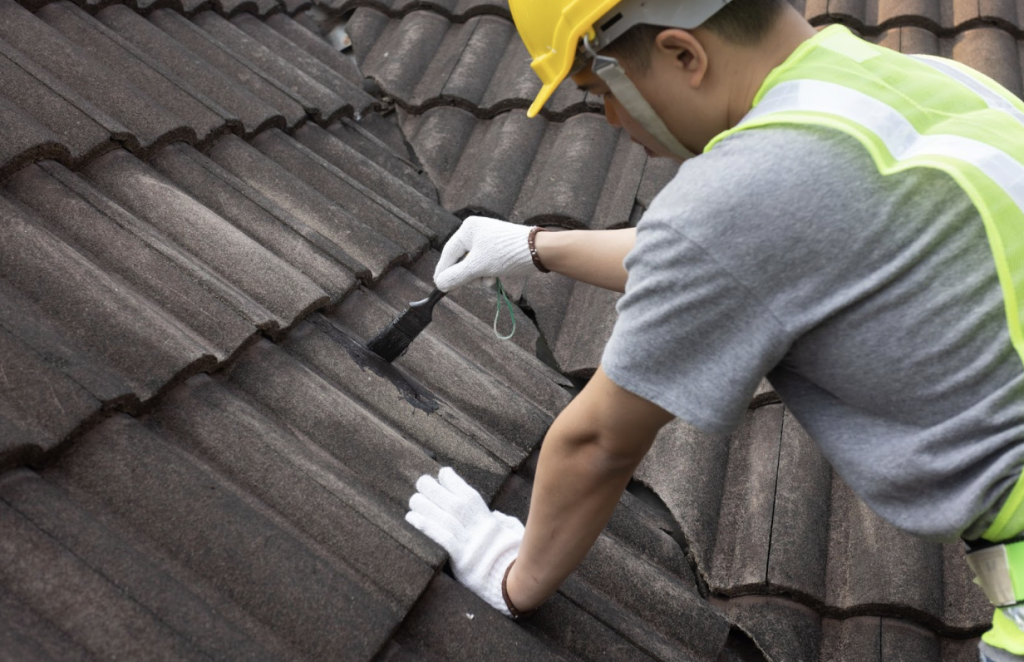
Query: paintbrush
x,y
392,342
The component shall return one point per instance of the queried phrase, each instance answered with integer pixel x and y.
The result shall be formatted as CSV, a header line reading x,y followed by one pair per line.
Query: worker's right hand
x,y
481,543
488,249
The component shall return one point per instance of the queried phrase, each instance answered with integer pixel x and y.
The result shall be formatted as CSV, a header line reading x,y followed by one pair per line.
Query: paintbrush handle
x,y
425,308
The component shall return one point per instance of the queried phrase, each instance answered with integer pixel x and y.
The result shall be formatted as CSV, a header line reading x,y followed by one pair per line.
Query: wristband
x,y
531,241
516,614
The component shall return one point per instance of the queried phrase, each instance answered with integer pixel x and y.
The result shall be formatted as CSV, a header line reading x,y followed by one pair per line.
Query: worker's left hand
x,y
480,542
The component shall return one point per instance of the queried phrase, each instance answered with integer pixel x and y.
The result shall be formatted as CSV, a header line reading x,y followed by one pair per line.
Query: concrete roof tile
x,y
569,172
304,61
49,341
23,140
24,635
379,184
296,590
183,101
589,318
447,624
447,435
993,52
346,191
53,105
237,102
29,389
476,340
454,377
264,289
472,75
371,140
119,561
799,525
120,244
99,617
327,501
315,45
856,638
150,123
375,252
107,317
237,68
906,641
319,102
327,417
782,629
333,270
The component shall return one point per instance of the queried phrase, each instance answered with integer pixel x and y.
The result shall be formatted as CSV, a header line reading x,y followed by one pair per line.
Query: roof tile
x,y
90,607
120,566
321,103
329,502
247,209
177,96
28,391
143,480
121,244
476,340
365,137
23,140
993,52
235,67
350,235
26,636
264,289
449,622
253,113
447,436
106,316
345,191
316,46
453,376
54,106
150,124
306,62
379,184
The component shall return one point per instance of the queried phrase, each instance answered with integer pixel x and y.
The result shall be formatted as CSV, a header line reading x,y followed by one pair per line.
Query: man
x,y
848,231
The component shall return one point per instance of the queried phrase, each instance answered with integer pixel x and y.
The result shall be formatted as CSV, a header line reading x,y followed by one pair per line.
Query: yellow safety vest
x,y
923,112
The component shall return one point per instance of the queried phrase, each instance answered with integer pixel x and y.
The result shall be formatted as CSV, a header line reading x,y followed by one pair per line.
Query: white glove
x,y
492,249
481,543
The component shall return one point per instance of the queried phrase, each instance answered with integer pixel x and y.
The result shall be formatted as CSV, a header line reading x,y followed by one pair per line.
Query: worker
x,y
851,229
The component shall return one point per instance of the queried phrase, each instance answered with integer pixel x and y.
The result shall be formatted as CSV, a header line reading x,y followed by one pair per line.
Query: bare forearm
x,y
587,459
589,256
574,495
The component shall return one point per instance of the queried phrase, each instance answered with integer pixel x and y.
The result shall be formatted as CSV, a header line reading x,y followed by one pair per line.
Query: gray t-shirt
x,y
870,302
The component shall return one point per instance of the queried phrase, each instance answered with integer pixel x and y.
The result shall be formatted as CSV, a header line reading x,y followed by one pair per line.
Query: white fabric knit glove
x,y
492,249
481,543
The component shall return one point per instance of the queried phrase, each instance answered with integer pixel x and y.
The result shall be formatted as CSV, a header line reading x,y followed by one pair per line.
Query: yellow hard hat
x,y
551,30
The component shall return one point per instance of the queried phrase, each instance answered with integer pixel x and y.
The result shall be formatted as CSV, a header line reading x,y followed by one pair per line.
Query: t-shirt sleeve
x,y
689,337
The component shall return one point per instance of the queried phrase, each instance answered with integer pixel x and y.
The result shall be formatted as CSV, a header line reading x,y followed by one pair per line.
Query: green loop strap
x,y
503,298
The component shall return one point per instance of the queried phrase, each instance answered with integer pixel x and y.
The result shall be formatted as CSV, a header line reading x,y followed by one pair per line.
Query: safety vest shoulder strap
x,y
912,112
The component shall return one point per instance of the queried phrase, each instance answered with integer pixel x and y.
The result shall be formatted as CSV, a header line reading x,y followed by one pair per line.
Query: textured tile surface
x,y
204,219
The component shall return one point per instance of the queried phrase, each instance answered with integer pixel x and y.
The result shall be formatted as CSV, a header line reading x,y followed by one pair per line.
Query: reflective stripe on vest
x,y
914,112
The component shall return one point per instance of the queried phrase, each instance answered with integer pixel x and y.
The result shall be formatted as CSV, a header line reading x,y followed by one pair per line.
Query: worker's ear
x,y
681,50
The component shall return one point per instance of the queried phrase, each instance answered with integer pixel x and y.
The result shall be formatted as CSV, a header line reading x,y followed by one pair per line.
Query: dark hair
x,y
739,22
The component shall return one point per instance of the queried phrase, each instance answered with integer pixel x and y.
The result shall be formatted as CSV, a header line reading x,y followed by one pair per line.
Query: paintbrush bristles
x,y
392,342
396,337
